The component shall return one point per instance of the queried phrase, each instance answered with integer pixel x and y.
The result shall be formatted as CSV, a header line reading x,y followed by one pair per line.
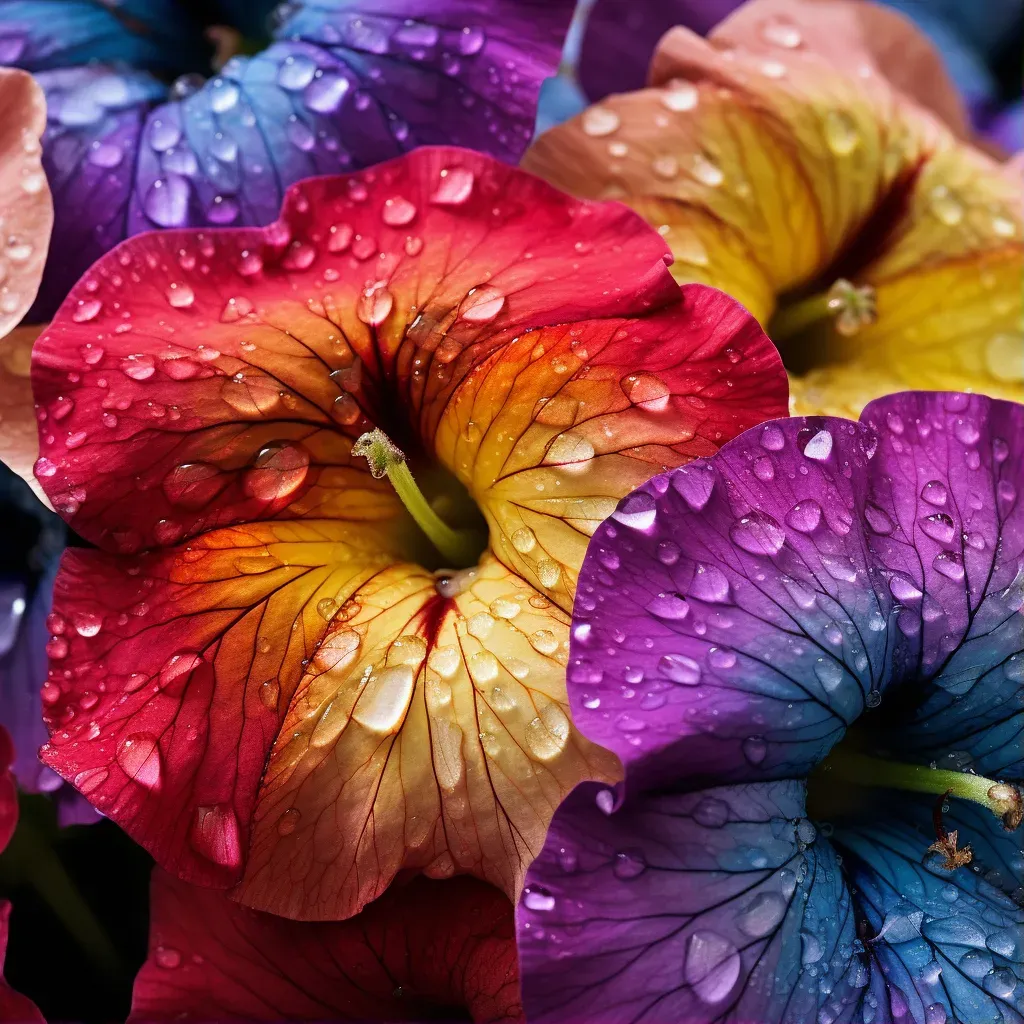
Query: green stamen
x,y
1002,799
852,306
459,547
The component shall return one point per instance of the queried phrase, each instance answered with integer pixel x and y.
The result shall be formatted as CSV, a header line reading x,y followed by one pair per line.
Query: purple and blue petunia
x,y
807,652
341,85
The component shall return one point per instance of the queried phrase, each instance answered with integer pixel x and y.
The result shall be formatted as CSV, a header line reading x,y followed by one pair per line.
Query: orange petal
x,y
428,732
26,209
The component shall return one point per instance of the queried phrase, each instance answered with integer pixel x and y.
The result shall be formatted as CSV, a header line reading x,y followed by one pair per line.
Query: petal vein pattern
x,y
261,673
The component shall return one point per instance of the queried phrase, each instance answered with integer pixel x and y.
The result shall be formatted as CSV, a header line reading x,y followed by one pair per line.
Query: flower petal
x,y
719,904
343,87
19,439
14,1007
421,950
185,664
435,729
725,625
203,349
853,36
946,944
780,169
551,430
951,477
620,36
26,209
41,34
735,616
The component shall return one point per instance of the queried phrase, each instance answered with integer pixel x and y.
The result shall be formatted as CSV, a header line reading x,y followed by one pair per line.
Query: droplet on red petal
x,y
215,835
139,758
278,471
375,303
397,211
454,188
193,485
481,305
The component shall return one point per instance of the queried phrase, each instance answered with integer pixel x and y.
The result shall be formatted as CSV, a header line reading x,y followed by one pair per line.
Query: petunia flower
x,y
429,950
782,165
14,1007
808,651
341,472
340,86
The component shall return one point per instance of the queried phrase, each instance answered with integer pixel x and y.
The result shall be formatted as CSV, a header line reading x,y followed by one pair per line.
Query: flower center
x,y
848,769
797,325
457,548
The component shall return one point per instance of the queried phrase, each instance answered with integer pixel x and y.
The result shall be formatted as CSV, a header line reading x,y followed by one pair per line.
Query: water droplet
x,y
706,171
598,121
215,835
781,32
763,915
946,206
536,898
180,296
830,672
548,733
288,821
524,540
712,966
375,303
755,749
167,957
481,305
445,661
934,492
819,447
139,758
382,704
277,472
841,133
549,573
938,526
680,95
629,864
454,188
873,699
680,669
670,607
638,510
397,211
483,667
772,438
86,310
646,390
805,516
694,483
758,533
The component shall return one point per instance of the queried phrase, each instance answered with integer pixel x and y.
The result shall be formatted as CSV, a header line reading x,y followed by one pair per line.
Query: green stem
x,y
1000,798
796,317
460,548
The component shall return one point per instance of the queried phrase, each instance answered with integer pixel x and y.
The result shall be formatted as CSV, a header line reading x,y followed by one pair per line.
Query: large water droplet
x,y
375,303
548,734
277,472
712,966
758,533
215,835
139,758
598,121
481,305
454,188
680,669
382,704
819,447
763,915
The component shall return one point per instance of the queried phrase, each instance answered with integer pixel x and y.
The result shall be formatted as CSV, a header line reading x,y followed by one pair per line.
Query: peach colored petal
x,y
19,433
26,209
857,37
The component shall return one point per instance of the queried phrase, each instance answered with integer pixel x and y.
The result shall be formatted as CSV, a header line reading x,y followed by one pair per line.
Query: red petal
x,y
422,950
180,668
26,210
14,1008
184,354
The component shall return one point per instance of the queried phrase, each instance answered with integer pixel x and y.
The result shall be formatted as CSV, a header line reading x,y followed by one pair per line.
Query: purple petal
x,y
344,88
734,616
714,905
620,37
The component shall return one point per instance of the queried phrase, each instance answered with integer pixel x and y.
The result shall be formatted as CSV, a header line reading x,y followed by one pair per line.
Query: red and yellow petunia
x,y
266,673
782,165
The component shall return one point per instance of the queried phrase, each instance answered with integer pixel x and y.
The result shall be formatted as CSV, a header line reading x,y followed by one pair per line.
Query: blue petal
x,y
715,905
40,34
944,946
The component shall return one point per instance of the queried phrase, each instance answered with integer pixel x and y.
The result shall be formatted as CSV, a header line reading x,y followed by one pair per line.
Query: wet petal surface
x,y
26,209
211,959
